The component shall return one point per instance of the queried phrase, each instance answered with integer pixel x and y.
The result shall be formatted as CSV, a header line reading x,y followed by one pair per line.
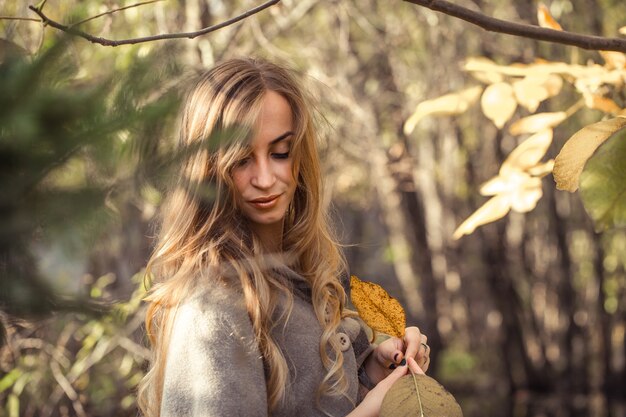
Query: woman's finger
x,y
412,340
389,352
414,367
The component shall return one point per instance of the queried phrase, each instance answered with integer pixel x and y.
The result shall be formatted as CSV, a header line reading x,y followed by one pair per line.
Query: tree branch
x,y
108,42
527,31
30,19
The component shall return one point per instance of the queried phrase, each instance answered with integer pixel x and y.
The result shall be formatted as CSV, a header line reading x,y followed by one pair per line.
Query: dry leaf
x,y
545,18
537,122
377,308
494,209
448,104
528,153
498,103
412,393
578,149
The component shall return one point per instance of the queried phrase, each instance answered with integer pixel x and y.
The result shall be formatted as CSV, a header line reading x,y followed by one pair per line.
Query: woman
x,y
247,314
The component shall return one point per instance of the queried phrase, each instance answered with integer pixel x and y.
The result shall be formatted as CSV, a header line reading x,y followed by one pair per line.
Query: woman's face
x,y
264,183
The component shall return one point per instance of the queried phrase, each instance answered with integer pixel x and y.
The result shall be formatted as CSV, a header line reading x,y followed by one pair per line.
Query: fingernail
x,y
392,366
395,357
403,362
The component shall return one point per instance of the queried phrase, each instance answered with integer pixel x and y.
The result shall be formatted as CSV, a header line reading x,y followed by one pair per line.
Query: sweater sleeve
x,y
213,365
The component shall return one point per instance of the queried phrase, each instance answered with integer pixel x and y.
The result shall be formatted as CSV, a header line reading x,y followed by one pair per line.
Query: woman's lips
x,y
265,202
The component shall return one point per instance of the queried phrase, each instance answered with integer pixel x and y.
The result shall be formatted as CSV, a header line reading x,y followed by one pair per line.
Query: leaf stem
x,y
419,399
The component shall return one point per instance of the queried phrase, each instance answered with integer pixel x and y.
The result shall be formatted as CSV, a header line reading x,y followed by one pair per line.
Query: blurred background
x,y
526,316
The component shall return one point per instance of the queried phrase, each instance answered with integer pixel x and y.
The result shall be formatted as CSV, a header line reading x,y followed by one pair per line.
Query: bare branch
x,y
30,19
108,42
113,11
527,31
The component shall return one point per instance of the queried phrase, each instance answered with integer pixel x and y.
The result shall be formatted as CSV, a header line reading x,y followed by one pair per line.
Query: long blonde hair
x,y
200,234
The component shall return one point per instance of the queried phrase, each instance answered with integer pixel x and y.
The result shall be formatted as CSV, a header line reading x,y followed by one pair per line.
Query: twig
x,y
527,31
30,19
111,12
179,35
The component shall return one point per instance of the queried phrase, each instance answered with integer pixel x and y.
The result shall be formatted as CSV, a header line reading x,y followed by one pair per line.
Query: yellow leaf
x,y
622,30
578,149
535,88
594,101
542,170
537,122
613,59
498,103
545,18
527,196
377,308
494,209
455,103
528,153
488,77
496,185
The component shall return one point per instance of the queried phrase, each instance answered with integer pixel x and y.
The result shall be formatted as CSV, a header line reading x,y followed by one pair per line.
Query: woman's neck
x,y
271,236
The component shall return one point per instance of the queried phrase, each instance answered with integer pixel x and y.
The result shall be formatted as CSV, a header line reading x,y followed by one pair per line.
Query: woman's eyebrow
x,y
281,137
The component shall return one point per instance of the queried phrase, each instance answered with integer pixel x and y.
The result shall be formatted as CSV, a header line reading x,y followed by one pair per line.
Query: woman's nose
x,y
263,176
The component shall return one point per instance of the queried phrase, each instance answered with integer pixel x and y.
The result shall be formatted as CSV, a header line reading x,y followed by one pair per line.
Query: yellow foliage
x,y
377,308
448,104
578,149
498,103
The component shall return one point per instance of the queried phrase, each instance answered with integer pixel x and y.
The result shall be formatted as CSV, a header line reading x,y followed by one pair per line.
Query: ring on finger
x,y
426,347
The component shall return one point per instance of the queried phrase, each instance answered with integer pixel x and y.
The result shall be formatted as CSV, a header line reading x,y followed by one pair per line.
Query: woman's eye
x,y
242,162
284,155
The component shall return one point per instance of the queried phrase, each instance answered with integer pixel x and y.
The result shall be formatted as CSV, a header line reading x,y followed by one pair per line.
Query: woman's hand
x,y
390,354
370,406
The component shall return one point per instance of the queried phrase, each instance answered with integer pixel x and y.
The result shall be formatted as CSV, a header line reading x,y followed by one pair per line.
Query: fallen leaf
x,y
537,122
498,103
545,19
528,153
494,209
449,104
412,393
570,162
377,308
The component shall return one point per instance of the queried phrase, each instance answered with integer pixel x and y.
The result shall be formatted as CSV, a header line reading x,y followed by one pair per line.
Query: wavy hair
x,y
217,118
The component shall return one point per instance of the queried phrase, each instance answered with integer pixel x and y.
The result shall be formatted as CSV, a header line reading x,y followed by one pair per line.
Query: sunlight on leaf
x,y
528,153
602,184
545,19
498,103
537,122
542,170
527,196
533,89
494,209
377,308
594,101
613,59
578,149
622,30
448,104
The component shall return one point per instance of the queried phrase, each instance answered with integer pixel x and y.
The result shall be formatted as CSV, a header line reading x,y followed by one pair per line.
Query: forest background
x,y
526,315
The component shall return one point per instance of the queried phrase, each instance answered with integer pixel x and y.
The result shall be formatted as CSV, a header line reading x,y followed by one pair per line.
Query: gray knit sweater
x,y
214,367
